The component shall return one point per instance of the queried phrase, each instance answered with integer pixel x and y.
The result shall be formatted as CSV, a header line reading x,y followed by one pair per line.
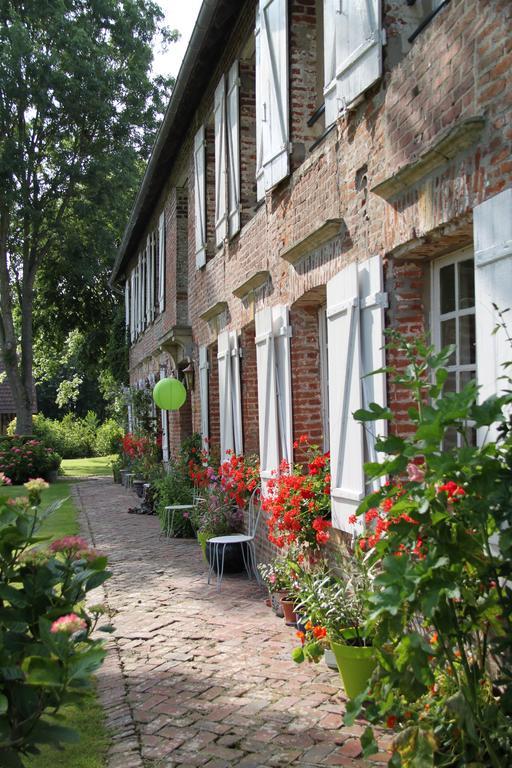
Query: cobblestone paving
x,y
195,677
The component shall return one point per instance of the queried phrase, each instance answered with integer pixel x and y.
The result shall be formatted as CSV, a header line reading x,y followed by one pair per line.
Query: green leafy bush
x,y
47,655
22,459
108,438
74,437
174,488
441,612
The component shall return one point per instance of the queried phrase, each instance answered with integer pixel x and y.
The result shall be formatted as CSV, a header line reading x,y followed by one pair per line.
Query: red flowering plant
x,y
140,453
298,504
440,610
239,476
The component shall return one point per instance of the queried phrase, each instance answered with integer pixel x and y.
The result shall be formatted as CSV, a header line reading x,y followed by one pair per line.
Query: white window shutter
x,y
149,279
203,393
358,48
220,163
137,283
233,131
236,393
228,356
346,435
161,262
200,196
267,399
132,305
492,225
261,113
331,20
154,238
274,389
282,333
165,426
143,290
274,70
127,305
372,306
227,442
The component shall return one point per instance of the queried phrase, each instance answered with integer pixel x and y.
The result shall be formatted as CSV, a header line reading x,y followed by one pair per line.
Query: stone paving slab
x,y
195,677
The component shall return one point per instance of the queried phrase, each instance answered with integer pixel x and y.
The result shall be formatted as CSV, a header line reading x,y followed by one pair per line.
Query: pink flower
x,y
68,624
69,544
416,475
4,480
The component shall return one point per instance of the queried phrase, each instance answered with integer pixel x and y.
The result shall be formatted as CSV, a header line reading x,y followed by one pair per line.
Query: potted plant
x,y
335,603
217,516
279,578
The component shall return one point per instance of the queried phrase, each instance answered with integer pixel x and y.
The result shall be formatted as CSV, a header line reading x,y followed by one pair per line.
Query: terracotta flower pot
x,y
289,611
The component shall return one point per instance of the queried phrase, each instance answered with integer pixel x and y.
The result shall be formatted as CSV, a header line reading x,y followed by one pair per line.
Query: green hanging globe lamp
x,y
169,394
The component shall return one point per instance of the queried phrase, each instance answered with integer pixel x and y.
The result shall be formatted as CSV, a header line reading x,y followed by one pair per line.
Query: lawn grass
x,y
90,752
63,522
95,465
88,719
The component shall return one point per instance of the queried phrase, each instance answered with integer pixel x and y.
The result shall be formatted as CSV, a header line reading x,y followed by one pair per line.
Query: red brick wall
x,y
304,95
457,68
211,248
305,364
406,285
247,139
213,402
180,426
249,386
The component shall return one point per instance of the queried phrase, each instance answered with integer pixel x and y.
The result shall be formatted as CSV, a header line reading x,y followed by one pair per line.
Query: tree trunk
x,y
18,376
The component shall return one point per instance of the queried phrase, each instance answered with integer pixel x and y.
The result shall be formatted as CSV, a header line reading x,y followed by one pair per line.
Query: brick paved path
x,y
200,678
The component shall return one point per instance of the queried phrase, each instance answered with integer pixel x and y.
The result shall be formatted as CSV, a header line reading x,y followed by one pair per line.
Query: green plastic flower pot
x,y
355,665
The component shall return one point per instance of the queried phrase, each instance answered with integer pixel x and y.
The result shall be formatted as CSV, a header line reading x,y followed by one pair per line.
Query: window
x,y
453,313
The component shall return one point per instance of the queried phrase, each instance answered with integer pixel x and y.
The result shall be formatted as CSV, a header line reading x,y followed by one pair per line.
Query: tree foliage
x,y
78,112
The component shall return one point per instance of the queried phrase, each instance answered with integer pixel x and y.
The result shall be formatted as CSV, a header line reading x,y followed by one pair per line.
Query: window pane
x,y
448,336
450,384
465,377
447,282
450,439
466,284
467,350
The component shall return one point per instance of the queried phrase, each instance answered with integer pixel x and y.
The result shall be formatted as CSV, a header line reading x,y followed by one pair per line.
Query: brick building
x,y
323,170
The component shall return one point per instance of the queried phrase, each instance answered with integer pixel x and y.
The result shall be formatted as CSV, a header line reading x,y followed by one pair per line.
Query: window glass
x,y
454,323
447,289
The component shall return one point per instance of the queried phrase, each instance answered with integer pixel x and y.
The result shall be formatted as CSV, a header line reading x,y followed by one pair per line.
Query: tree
x,y
75,94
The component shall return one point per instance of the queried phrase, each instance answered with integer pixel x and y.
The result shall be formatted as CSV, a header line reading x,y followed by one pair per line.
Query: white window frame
x,y
436,317
324,374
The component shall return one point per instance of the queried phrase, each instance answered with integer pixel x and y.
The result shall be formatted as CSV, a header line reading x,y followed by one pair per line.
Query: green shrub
x,y
74,437
108,438
175,488
47,654
22,459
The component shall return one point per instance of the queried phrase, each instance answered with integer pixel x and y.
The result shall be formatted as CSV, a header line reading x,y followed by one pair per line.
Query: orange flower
x,y
301,636
309,625
319,632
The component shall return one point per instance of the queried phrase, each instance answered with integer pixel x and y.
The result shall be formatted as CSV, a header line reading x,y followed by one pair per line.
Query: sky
x,y
180,15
